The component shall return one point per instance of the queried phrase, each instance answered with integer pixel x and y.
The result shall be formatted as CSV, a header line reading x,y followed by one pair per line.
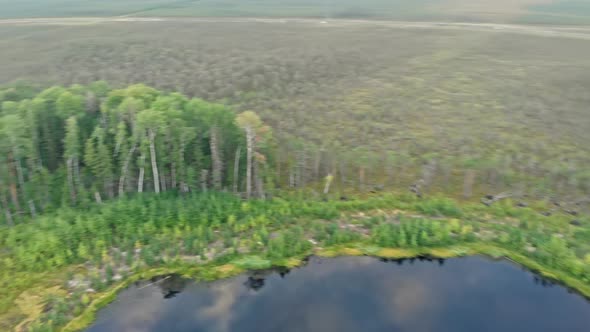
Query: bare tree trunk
x,y
108,186
493,178
468,182
71,180
183,171
32,209
329,179
125,169
258,181
237,168
260,187
4,202
428,174
361,178
13,187
20,176
141,174
8,217
204,176
250,147
97,197
152,137
163,180
292,178
316,166
389,171
173,175
342,167
216,158
301,175
76,164
278,170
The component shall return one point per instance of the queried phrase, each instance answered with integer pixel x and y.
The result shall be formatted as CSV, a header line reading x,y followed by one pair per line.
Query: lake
x,y
354,294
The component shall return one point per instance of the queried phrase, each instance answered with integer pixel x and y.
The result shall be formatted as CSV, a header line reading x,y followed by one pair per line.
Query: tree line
x,y
82,144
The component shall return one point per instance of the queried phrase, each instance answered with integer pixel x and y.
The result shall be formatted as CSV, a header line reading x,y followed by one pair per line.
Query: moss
x,y
32,303
289,262
443,252
395,253
252,263
228,270
339,251
350,252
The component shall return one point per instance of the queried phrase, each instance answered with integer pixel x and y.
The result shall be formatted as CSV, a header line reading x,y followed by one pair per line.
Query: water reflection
x,y
354,294
172,286
400,261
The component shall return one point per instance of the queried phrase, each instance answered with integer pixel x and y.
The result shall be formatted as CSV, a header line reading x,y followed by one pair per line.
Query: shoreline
x,y
218,270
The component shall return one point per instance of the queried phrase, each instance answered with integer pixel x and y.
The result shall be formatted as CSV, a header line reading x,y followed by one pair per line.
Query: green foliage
x,y
440,206
129,235
71,146
64,148
413,233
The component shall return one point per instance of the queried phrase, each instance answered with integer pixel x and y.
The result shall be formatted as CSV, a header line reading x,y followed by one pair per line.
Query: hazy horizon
x,y
499,11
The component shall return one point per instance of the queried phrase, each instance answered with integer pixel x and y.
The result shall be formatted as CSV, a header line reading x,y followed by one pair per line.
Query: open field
x,y
500,11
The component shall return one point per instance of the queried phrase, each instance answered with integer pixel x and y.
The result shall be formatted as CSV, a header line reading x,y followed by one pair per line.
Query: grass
x,y
371,210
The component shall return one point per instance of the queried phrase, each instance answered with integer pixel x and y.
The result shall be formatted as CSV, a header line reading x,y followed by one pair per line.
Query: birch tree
x,y
249,122
150,123
71,155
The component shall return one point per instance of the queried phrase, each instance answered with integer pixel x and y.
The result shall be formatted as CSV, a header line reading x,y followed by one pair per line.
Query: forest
x,y
207,147
69,146
86,144
102,185
464,113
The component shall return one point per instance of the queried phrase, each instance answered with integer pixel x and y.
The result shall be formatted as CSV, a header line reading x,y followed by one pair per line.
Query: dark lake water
x,y
354,294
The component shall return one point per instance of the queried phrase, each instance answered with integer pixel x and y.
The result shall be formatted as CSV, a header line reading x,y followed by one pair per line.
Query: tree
x,y
249,121
12,127
237,168
150,122
71,154
329,180
471,166
99,160
69,105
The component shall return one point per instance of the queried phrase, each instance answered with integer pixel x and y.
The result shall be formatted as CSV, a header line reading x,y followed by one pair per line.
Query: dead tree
x,y
488,200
